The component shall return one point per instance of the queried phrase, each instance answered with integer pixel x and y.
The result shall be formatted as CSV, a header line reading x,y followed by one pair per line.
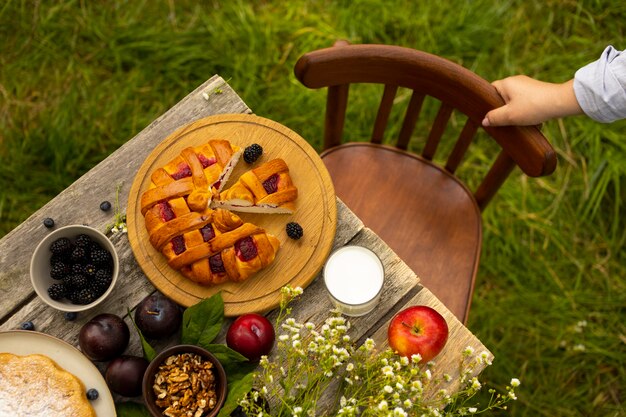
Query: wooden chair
x,y
422,210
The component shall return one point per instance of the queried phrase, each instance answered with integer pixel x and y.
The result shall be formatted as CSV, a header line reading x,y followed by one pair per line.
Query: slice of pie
x,y
265,189
188,178
34,385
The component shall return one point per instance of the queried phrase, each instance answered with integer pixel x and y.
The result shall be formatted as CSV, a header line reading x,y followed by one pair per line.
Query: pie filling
x,y
245,249
206,162
216,264
178,244
271,184
207,232
167,213
183,171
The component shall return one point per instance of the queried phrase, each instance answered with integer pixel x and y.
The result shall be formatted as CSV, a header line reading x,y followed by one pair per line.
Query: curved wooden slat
x,y
382,117
410,120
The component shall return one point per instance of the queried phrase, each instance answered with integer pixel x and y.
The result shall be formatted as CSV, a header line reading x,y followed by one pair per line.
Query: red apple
x,y
251,335
418,329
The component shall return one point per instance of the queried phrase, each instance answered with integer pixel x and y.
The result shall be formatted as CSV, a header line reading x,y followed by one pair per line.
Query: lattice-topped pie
x,y
207,245
34,385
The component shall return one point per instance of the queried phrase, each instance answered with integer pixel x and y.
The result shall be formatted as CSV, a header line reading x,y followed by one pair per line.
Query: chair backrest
x,y
456,87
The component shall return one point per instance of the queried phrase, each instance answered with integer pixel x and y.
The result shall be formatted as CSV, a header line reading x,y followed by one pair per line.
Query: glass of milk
x,y
354,278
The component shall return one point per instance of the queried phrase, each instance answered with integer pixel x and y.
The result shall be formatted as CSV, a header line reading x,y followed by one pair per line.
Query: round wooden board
x,y
296,263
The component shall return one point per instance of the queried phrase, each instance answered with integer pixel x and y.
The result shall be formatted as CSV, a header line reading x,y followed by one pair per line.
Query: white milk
x,y
354,278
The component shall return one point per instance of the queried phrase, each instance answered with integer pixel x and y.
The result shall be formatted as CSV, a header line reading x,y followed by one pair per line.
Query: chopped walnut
x,y
185,386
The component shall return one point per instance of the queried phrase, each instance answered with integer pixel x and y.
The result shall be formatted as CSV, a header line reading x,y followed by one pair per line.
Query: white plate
x,y
24,342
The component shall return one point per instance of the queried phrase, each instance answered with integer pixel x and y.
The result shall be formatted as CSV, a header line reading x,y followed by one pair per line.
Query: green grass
x,y
78,79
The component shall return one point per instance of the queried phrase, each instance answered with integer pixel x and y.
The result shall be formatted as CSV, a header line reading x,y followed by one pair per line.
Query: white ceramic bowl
x,y
40,266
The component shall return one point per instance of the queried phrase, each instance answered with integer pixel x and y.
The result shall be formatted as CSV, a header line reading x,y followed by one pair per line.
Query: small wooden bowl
x,y
149,396
40,266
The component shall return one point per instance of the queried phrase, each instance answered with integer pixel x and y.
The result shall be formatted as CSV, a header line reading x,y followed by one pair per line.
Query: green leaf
x,y
148,351
235,364
236,391
131,409
202,321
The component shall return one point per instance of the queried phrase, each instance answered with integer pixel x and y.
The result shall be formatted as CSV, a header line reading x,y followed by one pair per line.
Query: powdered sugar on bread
x,y
34,385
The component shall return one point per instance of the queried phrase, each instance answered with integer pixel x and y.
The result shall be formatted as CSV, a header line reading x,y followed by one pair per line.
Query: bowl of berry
x,y
74,268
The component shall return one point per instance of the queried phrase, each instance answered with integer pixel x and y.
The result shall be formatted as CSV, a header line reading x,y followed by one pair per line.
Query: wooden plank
x,y
79,203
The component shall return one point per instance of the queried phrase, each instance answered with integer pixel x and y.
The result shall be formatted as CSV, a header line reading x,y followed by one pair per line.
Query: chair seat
x,y
424,213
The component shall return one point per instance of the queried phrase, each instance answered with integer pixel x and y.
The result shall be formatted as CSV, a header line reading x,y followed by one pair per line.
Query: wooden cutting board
x,y
296,263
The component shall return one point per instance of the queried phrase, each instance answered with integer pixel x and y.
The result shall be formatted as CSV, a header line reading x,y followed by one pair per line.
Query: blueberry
x,y
105,206
92,394
27,325
48,222
70,316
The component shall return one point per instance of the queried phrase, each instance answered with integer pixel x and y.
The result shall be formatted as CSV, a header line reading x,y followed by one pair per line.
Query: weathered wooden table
x,y
79,203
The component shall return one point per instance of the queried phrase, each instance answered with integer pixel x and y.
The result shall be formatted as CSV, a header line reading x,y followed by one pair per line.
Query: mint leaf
x,y
235,364
202,321
148,351
131,409
236,391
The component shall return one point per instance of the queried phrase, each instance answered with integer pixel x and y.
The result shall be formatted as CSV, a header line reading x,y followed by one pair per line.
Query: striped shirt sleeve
x,y
600,86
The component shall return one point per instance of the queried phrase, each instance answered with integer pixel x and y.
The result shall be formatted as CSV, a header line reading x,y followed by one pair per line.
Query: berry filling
x,y
207,233
217,184
183,171
167,213
216,264
206,162
245,249
178,244
271,184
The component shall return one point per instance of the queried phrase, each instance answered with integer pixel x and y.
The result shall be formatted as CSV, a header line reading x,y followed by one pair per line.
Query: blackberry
x,y
100,284
100,257
92,394
76,281
83,240
104,273
56,258
61,246
252,153
78,255
78,269
85,296
294,230
73,296
105,206
56,291
27,325
59,270
48,222
90,270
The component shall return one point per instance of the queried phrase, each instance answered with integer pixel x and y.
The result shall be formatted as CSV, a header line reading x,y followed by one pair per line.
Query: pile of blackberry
x,y
83,269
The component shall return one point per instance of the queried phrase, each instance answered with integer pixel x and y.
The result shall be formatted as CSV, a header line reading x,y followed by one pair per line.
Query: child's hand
x,y
530,102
